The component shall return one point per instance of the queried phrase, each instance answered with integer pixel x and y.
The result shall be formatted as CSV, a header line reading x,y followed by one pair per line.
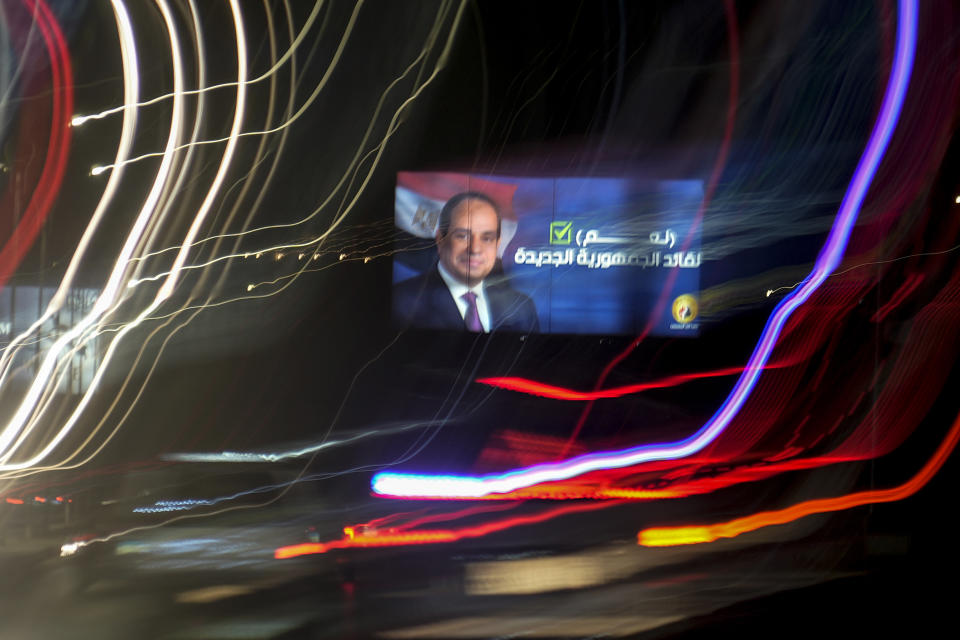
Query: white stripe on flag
x,y
417,214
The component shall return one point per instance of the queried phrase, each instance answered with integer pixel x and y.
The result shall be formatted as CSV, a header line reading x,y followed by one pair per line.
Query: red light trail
x,y
58,144
733,37
533,387
695,534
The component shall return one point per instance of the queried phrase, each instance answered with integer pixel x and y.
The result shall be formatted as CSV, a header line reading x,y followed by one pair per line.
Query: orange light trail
x,y
670,536
434,536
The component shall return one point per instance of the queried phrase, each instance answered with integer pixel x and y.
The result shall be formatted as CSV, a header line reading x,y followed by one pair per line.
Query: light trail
x,y
719,164
133,238
391,129
207,305
435,536
182,166
695,534
532,387
427,486
306,245
224,258
560,491
77,121
119,328
253,456
131,89
231,139
351,168
448,516
41,199
66,462
131,84
57,300
125,328
260,156
166,290
925,254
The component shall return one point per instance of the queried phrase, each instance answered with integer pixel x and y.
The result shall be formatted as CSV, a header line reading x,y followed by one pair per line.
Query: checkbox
x,y
561,232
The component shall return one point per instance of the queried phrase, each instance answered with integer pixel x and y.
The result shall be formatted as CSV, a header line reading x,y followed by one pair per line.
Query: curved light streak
x,y
354,162
42,401
278,456
113,287
434,536
16,423
247,181
131,88
719,164
178,168
419,485
79,120
230,139
695,534
48,185
168,190
341,215
166,290
532,387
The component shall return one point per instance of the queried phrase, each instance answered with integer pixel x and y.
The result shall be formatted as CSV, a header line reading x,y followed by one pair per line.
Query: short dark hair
x,y
443,224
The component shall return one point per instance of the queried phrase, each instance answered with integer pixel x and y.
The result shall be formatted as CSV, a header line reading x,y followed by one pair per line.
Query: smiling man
x,y
466,289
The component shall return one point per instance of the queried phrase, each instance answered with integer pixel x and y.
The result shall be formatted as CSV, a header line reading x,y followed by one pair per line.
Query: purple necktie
x,y
472,316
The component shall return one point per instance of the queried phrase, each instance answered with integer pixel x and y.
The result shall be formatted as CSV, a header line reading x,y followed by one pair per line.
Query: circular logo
x,y
685,308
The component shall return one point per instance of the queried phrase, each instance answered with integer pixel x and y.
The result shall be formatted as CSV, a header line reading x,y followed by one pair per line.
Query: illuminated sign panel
x,y
585,255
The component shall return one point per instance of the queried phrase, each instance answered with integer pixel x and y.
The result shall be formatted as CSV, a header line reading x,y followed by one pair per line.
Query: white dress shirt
x,y
457,289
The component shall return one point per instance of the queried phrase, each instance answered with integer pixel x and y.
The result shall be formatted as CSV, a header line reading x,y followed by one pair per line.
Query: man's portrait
x,y
466,289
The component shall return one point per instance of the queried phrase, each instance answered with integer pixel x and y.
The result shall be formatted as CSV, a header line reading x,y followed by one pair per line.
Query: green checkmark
x,y
560,232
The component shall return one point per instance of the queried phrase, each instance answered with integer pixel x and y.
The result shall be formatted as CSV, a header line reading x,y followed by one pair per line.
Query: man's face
x,y
469,249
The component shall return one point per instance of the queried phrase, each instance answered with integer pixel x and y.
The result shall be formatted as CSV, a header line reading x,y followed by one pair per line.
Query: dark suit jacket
x,y
425,302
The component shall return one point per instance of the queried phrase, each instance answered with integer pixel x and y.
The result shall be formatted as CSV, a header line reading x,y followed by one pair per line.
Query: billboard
x,y
561,255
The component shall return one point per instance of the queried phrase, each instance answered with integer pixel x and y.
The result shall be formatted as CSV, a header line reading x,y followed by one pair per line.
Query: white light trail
x,y
296,116
28,405
166,290
357,159
391,129
77,121
146,229
278,456
131,89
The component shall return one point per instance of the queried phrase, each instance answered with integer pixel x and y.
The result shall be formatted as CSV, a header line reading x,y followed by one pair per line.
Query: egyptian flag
x,y
421,196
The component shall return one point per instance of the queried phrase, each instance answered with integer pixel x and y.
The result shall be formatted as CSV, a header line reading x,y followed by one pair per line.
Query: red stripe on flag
x,y
443,186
